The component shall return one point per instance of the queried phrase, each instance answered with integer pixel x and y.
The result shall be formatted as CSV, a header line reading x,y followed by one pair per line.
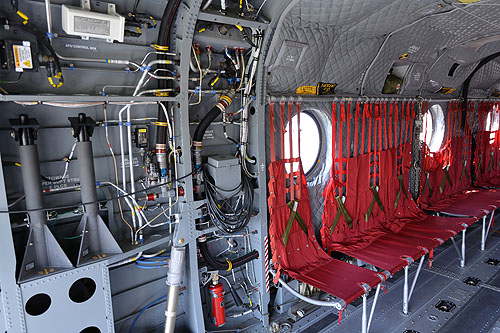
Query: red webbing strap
x,y
408,118
273,131
356,129
391,139
411,119
333,171
282,129
380,142
341,148
290,138
450,110
366,107
348,125
396,122
402,139
386,115
370,118
298,127
299,178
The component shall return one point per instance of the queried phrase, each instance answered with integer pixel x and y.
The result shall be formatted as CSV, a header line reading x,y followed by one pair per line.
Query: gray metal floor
x,y
476,308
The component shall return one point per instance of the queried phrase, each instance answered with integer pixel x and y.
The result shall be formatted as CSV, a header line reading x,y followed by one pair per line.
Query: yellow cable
x,y
23,16
161,123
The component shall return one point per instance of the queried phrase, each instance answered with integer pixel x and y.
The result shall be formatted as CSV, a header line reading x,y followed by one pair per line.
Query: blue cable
x,y
150,266
144,310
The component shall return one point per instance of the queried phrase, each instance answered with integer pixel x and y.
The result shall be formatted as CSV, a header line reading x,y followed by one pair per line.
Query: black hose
x,y
220,265
164,40
204,123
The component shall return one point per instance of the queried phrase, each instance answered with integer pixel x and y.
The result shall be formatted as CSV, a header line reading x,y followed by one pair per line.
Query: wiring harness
x,y
229,213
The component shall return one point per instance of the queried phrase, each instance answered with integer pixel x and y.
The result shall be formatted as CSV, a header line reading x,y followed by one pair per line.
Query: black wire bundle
x,y
229,213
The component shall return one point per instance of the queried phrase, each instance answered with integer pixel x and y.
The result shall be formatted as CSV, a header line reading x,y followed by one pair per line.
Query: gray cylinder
x,y
174,280
30,169
88,189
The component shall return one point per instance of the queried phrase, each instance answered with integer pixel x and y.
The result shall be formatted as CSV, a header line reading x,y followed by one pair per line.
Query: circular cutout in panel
x,y
492,123
433,128
38,304
82,290
310,141
90,329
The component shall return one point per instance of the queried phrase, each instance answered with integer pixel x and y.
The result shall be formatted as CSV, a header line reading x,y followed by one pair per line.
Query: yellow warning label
x,y
22,56
445,90
306,90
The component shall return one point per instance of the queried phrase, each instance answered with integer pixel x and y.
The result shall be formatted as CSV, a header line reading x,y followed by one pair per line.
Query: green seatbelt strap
x,y
491,162
446,178
375,198
478,169
293,216
464,172
402,189
427,183
341,210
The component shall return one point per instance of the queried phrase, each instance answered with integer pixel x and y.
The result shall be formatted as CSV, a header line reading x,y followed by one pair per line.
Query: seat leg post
x,y
462,260
416,277
375,298
363,318
405,292
483,232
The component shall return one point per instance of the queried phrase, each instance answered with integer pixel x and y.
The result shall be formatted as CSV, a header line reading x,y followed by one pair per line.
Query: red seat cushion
x,y
340,279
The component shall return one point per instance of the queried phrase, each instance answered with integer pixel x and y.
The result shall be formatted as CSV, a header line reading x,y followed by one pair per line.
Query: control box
x,y
226,173
85,23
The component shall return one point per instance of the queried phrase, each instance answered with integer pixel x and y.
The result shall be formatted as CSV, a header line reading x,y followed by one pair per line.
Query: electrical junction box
x,y
85,23
226,173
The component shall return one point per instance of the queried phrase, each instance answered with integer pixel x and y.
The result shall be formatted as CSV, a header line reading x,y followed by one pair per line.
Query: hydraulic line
x,y
224,265
224,102
164,41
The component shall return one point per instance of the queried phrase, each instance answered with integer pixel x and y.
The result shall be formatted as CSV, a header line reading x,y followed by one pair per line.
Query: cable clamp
x,y
50,35
128,123
145,67
230,265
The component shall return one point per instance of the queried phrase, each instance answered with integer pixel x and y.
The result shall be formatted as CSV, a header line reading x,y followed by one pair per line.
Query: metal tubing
x,y
174,280
305,98
483,229
459,254
462,260
416,277
171,312
88,189
48,13
337,305
363,318
30,170
489,226
375,299
405,292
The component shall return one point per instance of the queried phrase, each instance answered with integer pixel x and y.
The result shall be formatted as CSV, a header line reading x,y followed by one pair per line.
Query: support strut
x,y
43,254
96,241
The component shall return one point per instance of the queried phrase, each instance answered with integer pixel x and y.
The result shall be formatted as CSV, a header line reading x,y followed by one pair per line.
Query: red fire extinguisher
x,y
218,311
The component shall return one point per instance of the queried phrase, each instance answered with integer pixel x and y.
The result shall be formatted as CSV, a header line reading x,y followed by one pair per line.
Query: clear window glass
x,y
310,141
433,128
493,122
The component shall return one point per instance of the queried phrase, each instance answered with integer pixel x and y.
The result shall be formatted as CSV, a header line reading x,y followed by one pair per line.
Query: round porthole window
x,y
492,122
433,128
310,141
